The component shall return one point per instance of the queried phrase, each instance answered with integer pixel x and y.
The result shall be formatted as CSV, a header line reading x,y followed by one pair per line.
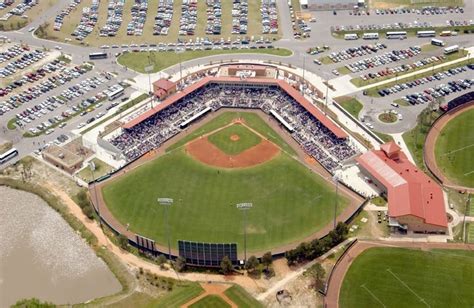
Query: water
x,y
41,256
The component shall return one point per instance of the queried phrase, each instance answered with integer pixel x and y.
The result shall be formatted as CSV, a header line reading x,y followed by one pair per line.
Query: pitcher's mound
x,y
235,138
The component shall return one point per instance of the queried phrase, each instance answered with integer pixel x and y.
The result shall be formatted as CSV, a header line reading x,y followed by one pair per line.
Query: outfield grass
x,y
352,105
210,301
470,233
251,119
137,61
247,139
241,298
454,148
290,202
397,277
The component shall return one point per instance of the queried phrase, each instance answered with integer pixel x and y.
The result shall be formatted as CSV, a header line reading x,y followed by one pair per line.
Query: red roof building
x,y
415,201
163,88
295,94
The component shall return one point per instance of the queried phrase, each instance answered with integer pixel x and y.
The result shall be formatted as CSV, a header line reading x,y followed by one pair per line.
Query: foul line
x,y
460,149
468,173
402,282
373,295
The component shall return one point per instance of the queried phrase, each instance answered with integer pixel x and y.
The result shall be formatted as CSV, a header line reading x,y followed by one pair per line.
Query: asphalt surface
x,y
320,35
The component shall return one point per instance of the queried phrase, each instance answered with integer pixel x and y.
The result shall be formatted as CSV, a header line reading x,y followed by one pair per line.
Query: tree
x,y
317,274
122,241
251,264
267,259
226,265
180,264
88,212
161,260
33,303
291,256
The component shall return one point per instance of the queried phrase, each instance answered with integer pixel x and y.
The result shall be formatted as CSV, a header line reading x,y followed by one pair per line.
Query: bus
x,y
437,42
396,34
115,93
426,33
445,33
451,49
8,155
97,56
351,36
370,36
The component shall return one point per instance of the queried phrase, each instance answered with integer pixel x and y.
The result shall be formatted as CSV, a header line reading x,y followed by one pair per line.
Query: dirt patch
x,y
204,151
234,138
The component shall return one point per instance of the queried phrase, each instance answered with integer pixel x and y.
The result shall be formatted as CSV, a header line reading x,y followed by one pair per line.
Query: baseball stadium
x,y
233,156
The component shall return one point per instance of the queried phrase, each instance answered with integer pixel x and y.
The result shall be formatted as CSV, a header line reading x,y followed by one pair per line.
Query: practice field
x,y
290,202
454,148
397,277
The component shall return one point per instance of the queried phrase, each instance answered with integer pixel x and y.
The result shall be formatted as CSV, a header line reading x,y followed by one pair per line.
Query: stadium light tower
x,y
92,169
166,203
245,207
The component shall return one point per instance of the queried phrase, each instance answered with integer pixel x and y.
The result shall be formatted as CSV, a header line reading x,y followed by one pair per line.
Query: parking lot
x,y
143,21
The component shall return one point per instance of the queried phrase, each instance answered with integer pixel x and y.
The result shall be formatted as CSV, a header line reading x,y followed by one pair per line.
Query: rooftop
x,y
410,191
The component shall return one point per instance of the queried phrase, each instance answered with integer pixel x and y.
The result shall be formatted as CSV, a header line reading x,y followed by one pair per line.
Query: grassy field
x,y
179,296
415,139
205,198
101,168
210,301
470,233
137,61
251,119
373,91
471,206
396,277
5,147
453,149
247,139
359,82
351,104
241,298
254,24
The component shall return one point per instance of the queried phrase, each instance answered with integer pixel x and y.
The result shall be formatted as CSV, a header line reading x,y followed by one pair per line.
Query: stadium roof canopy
x,y
296,95
409,190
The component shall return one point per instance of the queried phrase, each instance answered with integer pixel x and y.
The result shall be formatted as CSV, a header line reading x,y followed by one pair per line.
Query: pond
x,y
42,256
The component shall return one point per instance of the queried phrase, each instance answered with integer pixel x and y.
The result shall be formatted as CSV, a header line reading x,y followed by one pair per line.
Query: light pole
x,y
244,207
179,51
166,203
336,179
92,169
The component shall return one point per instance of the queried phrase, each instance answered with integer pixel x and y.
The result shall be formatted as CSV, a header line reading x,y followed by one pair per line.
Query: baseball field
x,y
454,148
398,277
234,158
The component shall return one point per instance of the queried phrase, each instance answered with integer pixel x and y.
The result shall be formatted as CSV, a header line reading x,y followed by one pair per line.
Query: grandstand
x,y
320,137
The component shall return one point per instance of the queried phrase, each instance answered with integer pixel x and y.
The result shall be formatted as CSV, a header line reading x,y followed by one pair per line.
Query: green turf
x,y
471,206
454,148
396,277
290,202
251,119
470,233
179,296
222,139
352,105
137,61
210,301
241,298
